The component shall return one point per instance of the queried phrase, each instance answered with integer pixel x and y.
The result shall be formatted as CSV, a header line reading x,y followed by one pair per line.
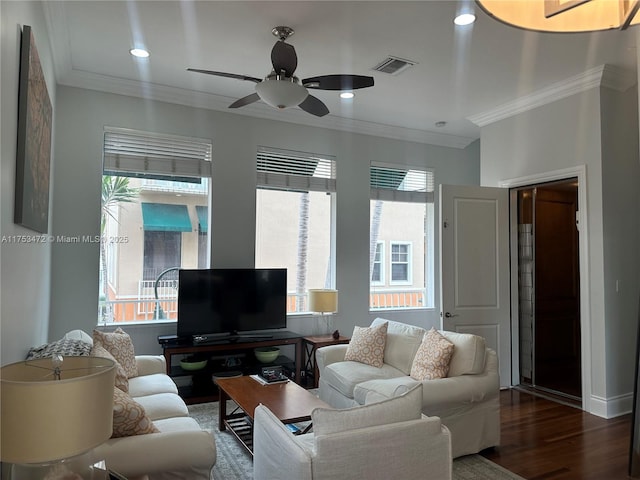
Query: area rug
x,y
235,463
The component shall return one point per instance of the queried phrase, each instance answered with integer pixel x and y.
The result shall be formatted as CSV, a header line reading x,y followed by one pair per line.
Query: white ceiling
x,y
462,73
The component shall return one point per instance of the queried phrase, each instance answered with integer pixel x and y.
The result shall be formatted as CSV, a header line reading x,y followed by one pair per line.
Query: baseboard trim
x,y
611,407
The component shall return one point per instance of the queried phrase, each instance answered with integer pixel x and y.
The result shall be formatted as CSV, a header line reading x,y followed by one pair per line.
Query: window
x,y
154,221
377,265
162,250
203,229
400,263
402,221
294,221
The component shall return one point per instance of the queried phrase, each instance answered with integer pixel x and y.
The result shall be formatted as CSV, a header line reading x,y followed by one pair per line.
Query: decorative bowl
x,y
266,354
193,364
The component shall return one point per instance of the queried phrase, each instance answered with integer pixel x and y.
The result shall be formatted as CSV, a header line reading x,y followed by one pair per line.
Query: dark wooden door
x,y
557,362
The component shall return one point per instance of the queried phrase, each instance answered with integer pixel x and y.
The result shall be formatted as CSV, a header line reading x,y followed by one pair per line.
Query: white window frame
x,y
409,263
294,171
140,154
408,183
380,248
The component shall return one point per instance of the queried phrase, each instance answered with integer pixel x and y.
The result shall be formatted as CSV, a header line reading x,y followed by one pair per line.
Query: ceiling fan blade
x,y
227,75
314,106
241,102
284,58
338,82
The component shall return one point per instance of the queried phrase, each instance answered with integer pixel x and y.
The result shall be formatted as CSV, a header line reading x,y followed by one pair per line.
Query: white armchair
x,y
389,439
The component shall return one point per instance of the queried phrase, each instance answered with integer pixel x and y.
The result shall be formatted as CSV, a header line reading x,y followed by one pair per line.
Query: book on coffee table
x,y
265,381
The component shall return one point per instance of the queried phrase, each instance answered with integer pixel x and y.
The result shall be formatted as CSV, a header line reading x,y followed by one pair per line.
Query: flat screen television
x,y
223,302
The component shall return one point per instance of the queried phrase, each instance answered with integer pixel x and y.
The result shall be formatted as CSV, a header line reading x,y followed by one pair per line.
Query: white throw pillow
x,y
79,335
468,355
402,344
398,409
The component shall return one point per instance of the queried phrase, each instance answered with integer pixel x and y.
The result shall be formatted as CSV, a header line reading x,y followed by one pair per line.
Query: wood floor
x,y
542,439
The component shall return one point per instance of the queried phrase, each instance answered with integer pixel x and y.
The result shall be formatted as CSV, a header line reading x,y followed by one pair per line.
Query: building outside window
x,y
203,237
155,193
162,250
294,221
402,223
377,270
400,263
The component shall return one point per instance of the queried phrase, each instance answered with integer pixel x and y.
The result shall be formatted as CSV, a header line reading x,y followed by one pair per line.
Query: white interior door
x,y
474,270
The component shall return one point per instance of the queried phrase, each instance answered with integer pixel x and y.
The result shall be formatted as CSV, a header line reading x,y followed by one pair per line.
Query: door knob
x,y
449,315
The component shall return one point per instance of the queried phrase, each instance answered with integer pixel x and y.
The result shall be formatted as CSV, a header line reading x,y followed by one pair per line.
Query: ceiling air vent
x,y
394,65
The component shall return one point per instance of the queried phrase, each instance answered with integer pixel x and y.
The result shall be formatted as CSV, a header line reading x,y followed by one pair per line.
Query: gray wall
x,y
81,116
599,129
25,268
621,230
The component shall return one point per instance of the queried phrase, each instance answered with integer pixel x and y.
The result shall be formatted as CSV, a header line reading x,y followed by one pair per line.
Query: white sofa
x,y
181,450
467,401
384,440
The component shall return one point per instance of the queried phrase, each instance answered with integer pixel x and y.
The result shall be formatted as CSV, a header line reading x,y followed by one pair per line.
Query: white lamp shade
x,y
562,15
45,420
281,93
323,300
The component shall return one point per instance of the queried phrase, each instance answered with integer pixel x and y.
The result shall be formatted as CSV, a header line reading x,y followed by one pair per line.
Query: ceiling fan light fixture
x,y
347,95
281,92
281,89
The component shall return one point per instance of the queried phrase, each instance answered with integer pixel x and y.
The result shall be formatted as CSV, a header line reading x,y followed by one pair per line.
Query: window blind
x,y
134,153
299,171
390,182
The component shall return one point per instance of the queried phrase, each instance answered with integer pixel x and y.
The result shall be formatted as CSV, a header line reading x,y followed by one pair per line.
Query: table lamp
x,y
324,301
54,412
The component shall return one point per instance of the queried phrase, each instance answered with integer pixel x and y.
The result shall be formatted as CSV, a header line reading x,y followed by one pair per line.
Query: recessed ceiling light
x,y
346,95
139,52
464,19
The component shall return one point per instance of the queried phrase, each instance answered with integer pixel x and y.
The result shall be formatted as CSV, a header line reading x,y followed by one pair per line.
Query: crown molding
x,y
162,93
604,75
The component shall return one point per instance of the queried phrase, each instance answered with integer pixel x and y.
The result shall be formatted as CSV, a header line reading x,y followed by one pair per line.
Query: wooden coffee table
x,y
288,401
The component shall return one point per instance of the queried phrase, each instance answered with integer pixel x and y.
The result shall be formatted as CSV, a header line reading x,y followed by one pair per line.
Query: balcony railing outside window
x,y
397,299
146,309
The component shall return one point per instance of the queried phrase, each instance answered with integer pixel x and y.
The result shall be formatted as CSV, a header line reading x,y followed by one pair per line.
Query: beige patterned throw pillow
x,y
433,357
122,382
367,345
129,417
118,343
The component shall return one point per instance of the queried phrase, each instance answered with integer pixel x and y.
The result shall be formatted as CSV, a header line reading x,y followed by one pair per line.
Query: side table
x,y
310,345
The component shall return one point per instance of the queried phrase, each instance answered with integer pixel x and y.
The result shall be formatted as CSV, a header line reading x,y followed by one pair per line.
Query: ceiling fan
x,y
281,89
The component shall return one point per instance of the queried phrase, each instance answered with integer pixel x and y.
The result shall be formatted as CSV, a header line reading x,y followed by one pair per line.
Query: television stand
x,y
227,345
248,336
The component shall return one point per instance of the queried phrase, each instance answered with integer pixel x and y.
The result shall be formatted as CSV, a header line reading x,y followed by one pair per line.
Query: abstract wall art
x,y
34,140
